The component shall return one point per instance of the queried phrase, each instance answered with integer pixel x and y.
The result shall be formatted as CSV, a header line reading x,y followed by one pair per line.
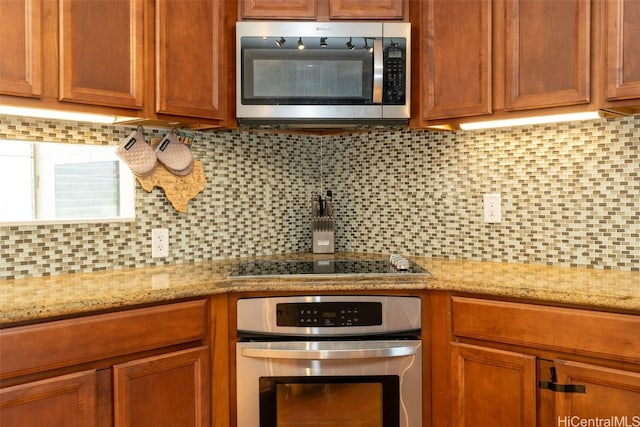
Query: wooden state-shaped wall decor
x,y
178,189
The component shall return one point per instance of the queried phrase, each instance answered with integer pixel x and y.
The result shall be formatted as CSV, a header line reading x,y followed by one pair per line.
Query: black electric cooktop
x,y
318,267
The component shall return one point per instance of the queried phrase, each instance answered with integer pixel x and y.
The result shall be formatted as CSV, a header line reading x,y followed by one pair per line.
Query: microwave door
x,y
326,74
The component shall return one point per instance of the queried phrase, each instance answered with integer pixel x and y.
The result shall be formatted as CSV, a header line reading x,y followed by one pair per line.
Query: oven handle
x,y
327,354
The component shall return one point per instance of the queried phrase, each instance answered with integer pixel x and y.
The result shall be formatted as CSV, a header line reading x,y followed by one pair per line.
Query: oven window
x,y
371,401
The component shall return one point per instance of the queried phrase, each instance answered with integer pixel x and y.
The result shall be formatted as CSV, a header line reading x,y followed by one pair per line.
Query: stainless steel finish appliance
x,y
335,73
329,361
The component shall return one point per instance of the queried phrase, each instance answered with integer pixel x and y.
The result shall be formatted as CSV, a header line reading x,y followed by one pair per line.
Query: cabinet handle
x,y
562,388
553,385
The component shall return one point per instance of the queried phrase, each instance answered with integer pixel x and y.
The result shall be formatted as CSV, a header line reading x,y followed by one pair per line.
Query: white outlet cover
x,y
159,243
492,208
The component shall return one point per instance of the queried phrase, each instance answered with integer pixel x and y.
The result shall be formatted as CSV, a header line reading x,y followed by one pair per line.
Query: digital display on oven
x,y
329,314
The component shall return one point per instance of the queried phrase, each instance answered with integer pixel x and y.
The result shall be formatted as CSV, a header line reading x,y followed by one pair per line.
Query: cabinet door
x,y
68,400
163,391
610,394
191,41
623,49
21,41
278,9
456,43
366,9
547,53
101,52
492,387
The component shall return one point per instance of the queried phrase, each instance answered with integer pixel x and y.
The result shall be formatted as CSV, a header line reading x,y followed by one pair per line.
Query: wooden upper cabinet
x,y
191,42
102,52
322,9
366,9
547,45
21,43
487,57
278,9
456,50
622,49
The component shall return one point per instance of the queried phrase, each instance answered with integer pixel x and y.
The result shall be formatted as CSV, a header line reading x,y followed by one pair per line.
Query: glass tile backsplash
x,y
570,197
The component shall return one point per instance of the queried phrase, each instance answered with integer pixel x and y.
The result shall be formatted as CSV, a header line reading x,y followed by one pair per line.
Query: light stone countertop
x,y
36,299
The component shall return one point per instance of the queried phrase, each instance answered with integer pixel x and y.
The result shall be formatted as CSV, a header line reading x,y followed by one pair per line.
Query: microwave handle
x,y
378,71
362,353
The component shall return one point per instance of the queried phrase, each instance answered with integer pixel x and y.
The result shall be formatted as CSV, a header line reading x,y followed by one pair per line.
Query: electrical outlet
x,y
159,243
492,207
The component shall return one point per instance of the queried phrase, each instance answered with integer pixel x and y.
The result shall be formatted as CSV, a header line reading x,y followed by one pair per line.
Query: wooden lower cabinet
x,y
164,390
492,387
141,367
67,400
610,394
167,390
530,365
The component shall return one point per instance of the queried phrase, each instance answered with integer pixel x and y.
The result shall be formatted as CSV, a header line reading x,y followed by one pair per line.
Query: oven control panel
x,y
329,314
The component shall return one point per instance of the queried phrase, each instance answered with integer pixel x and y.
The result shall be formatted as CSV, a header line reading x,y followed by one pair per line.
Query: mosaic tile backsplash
x,y
570,197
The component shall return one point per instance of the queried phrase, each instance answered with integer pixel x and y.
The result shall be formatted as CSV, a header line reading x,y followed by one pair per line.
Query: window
x,y
57,183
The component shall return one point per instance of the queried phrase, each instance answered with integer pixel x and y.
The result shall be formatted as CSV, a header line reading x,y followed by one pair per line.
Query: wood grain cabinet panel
x,y
278,9
592,333
68,400
492,387
191,41
318,9
610,394
168,390
547,61
487,57
509,366
622,49
102,52
21,42
366,9
457,46
41,347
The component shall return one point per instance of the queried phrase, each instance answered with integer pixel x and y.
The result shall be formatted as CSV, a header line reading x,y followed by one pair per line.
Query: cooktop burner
x,y
300,267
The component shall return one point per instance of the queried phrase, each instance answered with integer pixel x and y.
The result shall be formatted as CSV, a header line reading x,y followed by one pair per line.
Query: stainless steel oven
x,y
329,361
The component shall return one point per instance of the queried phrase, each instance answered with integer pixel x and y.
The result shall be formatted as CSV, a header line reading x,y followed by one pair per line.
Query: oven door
x,y
329,383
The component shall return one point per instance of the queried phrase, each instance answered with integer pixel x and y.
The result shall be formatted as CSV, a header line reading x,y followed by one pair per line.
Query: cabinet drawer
x,y
34,348
600,334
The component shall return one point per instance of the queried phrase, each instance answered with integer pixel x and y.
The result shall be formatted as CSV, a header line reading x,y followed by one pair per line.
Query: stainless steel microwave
x,y
334,73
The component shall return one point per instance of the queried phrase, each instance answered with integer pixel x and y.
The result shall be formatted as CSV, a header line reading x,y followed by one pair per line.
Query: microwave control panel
x,y
394,72
329,314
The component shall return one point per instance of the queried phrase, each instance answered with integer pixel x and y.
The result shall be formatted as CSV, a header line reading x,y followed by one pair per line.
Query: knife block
x,y
323,234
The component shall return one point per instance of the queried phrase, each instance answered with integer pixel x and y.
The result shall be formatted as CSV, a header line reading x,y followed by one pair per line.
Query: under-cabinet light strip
x,y
62,115
554,118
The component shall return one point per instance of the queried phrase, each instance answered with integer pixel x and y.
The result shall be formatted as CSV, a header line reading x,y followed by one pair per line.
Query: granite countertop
x,y
26,300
